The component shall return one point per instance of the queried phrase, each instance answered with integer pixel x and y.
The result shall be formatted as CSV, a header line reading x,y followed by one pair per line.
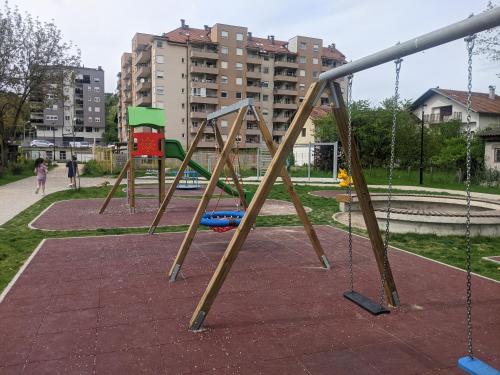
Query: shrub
x,y
92,168
16,168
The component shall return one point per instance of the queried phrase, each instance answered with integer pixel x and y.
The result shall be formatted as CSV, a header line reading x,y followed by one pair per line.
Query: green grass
x,y
6,177
17,241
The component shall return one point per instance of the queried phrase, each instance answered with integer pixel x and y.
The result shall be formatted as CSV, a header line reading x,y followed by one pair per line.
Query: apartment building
x,y
75,113
191,72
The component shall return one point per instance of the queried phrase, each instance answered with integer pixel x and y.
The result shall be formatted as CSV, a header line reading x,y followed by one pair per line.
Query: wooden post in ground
x,y
115,186
223,157
287,182
365,203
177,179
161,173
242,231
131,171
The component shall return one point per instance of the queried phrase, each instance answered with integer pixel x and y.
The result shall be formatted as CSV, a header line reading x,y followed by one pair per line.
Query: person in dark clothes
x,y
72,168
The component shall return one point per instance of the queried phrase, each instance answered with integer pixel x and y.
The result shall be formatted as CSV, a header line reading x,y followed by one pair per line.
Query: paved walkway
x,y
19,195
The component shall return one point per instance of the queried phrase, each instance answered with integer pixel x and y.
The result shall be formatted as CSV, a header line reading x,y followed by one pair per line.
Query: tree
x,y
111,131
488,41
31,64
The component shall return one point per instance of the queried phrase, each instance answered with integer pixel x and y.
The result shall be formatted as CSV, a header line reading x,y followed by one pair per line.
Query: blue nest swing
x,y
222,221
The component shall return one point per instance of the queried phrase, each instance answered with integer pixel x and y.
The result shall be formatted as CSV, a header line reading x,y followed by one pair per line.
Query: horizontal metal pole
x,y
461,29
230,109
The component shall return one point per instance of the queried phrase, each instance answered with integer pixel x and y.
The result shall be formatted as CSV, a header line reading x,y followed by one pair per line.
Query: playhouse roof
x,y
143,116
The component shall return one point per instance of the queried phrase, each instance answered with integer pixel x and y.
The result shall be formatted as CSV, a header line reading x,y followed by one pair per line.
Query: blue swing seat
x,y
222,218
474,366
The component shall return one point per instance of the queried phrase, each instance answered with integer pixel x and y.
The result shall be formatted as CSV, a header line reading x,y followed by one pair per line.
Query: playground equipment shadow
x,y
104,305
82,214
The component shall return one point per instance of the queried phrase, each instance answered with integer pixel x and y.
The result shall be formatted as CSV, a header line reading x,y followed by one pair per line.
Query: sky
x,y
103,30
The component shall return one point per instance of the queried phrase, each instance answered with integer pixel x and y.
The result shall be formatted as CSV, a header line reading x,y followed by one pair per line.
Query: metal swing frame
x,y
461,29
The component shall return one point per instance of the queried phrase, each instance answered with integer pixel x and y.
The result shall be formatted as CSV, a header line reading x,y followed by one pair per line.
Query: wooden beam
x,y
115,186
177,179
239,237
193,227
230,166
363,195
287,182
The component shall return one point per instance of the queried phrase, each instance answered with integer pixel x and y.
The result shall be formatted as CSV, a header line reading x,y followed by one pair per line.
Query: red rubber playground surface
x,y
80,214
103,305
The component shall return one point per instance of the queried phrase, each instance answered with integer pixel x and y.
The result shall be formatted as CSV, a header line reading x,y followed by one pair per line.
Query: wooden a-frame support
x,y
188,239
182,168
264,189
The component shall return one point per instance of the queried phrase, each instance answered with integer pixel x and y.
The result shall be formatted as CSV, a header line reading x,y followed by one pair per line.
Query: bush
x,y
93,169
17,168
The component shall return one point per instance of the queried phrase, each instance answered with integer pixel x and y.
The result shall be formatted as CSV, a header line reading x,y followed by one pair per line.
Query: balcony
x,y
204,99
254,88
253,74
128,97
198,114
250,118
286,64
285,77
284,105
254,59
144,86
206,69
281,118
437,118
204,84
144,56
253,129
144,71
144,100
285,92
204,54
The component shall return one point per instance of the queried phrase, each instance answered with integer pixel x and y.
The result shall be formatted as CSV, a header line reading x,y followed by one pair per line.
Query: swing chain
x,y
349,168
468,246
391,172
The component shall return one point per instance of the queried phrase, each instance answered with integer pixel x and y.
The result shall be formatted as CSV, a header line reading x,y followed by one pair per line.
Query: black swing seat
x,y
371,306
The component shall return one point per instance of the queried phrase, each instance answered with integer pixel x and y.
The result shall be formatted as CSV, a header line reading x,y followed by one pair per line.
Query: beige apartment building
x,y
192,72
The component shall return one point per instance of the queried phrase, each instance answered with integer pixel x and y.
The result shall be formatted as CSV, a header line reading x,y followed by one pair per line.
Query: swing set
x,y
462,29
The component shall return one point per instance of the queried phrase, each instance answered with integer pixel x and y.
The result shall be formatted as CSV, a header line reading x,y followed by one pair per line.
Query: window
x,y
224,50
160,59
239,36
224,34
51,117
315,74
97,130
315,47
159,43
315,60
223,79
302,59
239,80
223,64
303,45
182,75
88,88
239,51
97,99
160,90
302,87
90,109
159,74
97,119
265,112
182,105
223,123
497,155
97,89
238,95
223,94
88,129
264,84
67,118
302,73
239,66
182,60
265,70
90,98
182,91
90,119
97,79
97,109
265,98
62,154
303,132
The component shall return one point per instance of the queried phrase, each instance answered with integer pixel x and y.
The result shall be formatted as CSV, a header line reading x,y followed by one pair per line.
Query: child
x,y
41,175
72,168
